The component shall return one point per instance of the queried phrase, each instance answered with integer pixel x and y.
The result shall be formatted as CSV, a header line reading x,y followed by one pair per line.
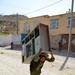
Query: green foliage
x,y
4,34
1,23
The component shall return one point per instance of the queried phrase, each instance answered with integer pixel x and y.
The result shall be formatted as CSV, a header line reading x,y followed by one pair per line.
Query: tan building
x,y
27,25
58,27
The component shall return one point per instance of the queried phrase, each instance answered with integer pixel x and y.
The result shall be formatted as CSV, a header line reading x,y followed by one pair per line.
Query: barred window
x,y
69,21
26,27
54,24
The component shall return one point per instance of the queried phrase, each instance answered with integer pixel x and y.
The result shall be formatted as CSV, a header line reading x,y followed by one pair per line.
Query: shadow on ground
x,y
15,48
64,53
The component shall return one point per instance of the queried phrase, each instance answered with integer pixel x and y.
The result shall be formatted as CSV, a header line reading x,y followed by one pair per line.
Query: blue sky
x,y
23,7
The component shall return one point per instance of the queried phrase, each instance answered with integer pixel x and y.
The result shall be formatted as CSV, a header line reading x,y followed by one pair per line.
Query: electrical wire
x,y
43,7
37,9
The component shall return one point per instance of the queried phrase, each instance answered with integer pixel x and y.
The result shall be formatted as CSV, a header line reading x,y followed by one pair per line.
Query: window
x,y
26,27
69,21
54,24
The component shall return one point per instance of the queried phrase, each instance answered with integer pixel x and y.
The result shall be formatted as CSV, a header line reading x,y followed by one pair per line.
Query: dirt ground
x,y
10,63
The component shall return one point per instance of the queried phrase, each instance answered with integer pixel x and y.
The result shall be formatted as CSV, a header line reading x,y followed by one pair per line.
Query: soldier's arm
x,y
52,57
36,58
40,51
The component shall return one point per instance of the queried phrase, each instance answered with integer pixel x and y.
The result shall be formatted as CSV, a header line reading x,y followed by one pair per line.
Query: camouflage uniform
x,y
37,65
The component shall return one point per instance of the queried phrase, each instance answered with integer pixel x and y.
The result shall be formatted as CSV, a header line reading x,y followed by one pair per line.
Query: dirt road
x,y
10,64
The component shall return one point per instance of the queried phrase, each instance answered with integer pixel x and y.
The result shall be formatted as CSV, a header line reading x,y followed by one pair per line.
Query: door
x,y
65,43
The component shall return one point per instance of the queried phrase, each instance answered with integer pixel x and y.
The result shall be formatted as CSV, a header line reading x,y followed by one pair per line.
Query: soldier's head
x,y
43,56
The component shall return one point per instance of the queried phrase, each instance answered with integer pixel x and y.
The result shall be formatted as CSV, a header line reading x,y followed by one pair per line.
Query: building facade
x,y
58,28
27,25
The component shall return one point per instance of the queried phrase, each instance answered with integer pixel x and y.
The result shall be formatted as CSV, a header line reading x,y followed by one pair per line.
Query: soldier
x,y
38,62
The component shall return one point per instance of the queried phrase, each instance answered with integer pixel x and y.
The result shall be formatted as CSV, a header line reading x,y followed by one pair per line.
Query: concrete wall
x,y
54,41
5,40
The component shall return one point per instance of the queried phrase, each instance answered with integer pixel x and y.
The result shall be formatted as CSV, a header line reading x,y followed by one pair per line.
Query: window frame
x,y
69,21
54,24
26,26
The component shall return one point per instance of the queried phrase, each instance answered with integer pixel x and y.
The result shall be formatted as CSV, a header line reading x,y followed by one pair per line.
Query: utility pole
x,y
17,23
70,33
69,45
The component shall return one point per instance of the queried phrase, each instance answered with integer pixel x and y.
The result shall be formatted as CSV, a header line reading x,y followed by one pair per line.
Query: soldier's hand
x,y
51,53
40,51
